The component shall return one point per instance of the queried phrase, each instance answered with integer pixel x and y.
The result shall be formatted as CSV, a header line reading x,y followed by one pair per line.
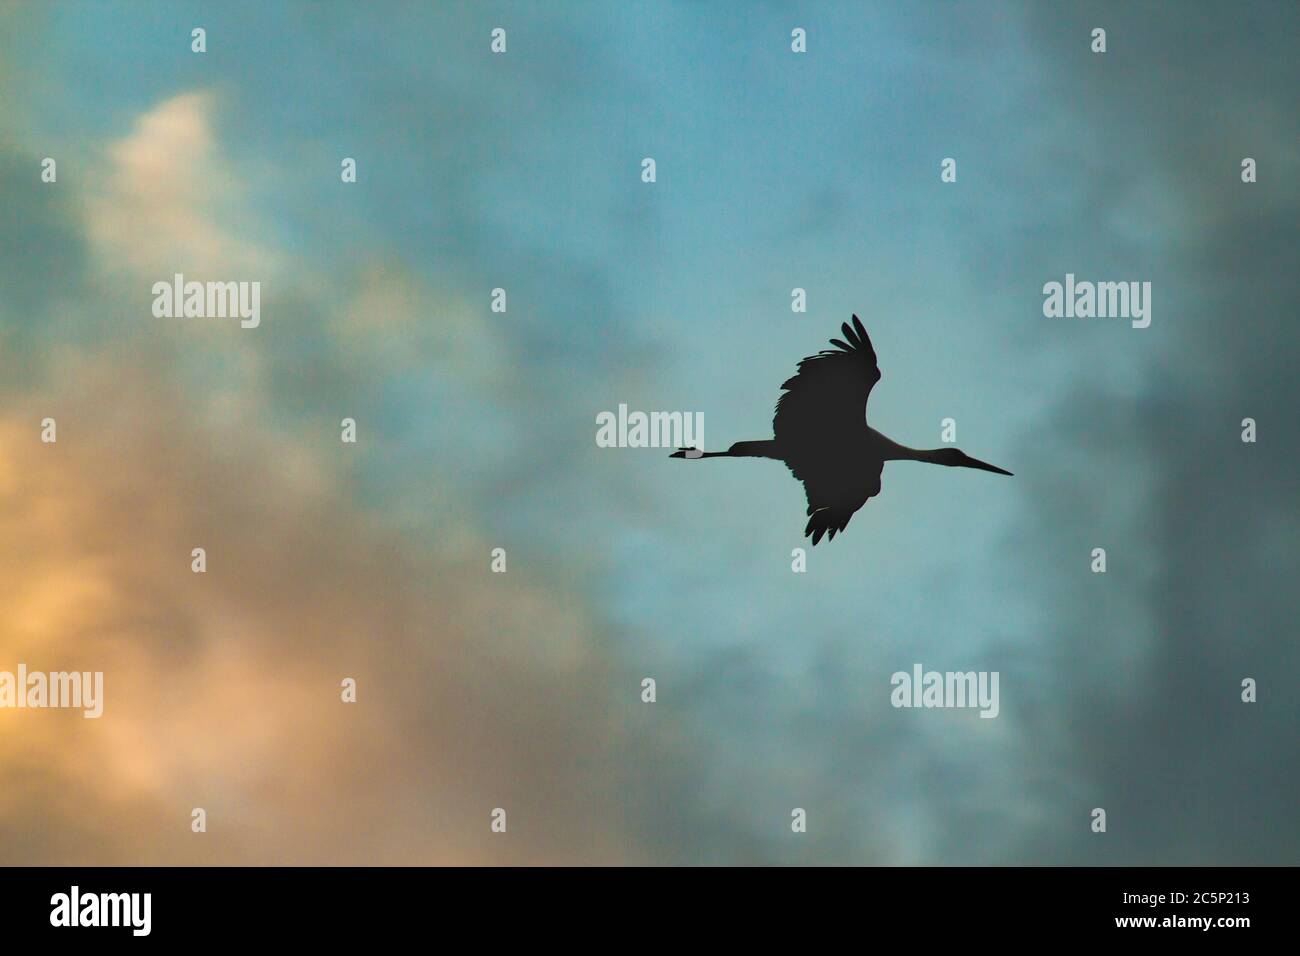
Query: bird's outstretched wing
x,y
825,401
819,425
833,498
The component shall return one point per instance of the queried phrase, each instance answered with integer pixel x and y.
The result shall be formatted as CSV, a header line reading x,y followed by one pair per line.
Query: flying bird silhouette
x,y
822,436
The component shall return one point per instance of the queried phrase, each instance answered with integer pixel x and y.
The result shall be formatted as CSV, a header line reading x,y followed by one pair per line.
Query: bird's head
x,y
956,458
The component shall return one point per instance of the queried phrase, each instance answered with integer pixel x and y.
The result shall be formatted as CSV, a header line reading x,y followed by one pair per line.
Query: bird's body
x,y
822,436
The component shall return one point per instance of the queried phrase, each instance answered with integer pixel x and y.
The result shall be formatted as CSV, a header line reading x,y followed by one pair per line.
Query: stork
x,y
821,434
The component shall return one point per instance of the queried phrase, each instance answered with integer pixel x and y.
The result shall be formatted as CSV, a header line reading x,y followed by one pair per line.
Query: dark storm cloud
x,y
1139,708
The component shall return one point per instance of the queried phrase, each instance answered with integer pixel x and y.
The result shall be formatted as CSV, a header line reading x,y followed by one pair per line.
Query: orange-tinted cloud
x,y
222,689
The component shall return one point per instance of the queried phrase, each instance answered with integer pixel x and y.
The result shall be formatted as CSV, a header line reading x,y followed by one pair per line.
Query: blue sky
x,y
775,171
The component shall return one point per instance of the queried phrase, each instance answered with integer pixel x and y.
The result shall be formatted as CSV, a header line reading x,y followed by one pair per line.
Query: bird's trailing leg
x,y
741,449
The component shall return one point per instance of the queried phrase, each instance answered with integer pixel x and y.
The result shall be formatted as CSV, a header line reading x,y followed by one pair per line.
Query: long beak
x,y
985,466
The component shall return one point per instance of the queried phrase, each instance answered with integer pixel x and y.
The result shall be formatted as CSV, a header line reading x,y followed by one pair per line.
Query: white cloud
x,y
172,202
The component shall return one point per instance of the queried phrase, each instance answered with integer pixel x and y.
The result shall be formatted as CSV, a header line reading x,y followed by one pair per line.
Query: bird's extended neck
x,y
891,450
952,457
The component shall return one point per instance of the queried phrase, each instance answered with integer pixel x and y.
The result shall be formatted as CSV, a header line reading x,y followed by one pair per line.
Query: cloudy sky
x,y
476,430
